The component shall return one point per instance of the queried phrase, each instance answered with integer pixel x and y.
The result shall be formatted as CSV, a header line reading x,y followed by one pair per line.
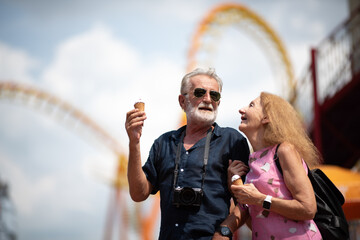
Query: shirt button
x,y
187,152
176,224
181,170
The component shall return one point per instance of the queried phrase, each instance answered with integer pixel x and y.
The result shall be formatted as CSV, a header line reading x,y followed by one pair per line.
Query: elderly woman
x,y
281,206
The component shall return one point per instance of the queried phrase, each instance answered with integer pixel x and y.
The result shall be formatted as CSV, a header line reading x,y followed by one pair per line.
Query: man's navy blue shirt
x,y
194,222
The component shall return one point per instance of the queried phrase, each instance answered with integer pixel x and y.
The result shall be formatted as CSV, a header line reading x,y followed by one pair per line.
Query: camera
x,y
187,196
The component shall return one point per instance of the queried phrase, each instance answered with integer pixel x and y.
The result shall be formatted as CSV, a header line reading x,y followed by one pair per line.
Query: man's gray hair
x,y
185,83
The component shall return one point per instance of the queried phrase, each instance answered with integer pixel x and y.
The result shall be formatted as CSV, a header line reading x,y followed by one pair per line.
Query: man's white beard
x,y
204,117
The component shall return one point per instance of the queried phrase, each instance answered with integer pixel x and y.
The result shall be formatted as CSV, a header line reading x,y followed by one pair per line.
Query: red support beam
x,y
317,111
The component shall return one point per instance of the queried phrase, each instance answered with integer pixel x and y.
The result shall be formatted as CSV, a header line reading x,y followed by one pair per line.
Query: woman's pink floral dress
x,y
266,177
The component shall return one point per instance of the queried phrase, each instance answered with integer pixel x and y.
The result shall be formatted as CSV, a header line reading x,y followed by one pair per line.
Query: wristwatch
x,y
267,202
224,231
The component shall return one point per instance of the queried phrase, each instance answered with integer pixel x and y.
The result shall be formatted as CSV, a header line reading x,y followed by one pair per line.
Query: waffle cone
x,y
140,106
238,182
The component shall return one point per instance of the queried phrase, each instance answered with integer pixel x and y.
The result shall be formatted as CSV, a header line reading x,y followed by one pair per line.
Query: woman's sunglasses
x,y
200,92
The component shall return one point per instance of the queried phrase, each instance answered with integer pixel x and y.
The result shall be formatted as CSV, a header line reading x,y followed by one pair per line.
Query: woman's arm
x,y
303,204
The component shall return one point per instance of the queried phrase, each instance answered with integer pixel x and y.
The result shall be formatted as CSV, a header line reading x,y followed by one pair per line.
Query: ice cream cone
x,y
236,180
140,106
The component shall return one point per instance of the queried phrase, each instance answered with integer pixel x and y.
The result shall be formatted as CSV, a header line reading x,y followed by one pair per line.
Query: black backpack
x,y
330,217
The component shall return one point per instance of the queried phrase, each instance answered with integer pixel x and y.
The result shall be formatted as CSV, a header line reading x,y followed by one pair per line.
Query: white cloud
x,y
104,76
27,192
180,10
15,64
90,62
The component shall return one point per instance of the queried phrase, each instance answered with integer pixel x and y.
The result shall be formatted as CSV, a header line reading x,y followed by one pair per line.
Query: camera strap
x,y
206,156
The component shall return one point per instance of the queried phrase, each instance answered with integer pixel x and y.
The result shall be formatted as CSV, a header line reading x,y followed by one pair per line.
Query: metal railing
x,y
337,60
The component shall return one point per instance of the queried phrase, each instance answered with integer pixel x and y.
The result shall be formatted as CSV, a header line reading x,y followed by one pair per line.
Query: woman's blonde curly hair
x,y
285,124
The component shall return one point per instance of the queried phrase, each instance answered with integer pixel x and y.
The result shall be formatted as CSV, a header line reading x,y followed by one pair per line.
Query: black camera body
x,y
187,196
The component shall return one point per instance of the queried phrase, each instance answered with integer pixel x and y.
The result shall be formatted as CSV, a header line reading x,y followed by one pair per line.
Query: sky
x,y
101,57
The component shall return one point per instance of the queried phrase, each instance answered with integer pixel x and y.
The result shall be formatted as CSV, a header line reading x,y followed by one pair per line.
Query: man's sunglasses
x,y
200,92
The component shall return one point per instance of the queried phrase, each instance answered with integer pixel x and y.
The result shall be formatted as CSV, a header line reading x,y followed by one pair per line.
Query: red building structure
x,y
328,94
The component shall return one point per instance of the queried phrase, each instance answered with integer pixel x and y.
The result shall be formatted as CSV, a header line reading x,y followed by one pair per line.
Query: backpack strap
x,y
276,159
277,162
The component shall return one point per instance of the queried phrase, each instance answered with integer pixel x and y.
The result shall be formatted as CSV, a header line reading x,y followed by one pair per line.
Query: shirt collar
x,y
177,134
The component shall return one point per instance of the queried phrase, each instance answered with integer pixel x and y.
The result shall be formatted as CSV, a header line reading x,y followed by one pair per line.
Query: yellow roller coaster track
x,y
66,114
227,14
79,121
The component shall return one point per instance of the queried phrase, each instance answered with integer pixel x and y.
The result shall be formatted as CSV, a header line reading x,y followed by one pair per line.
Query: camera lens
x,y
187,196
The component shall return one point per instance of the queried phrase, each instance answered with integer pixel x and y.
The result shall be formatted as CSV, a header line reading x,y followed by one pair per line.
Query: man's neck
x,y
193,134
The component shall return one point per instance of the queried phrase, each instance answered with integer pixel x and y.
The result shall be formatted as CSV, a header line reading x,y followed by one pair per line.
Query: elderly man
x,y
188,166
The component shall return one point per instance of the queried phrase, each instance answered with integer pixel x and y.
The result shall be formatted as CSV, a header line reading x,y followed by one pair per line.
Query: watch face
x,y
266,205
225,231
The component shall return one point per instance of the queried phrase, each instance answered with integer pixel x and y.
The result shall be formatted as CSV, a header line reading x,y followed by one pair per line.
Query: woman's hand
x,y
248,194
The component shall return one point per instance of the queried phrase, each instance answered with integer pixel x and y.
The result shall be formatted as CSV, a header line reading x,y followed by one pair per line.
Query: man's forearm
x,y
139,186
236,218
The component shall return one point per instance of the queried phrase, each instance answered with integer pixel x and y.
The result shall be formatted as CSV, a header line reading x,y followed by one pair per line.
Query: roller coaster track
x,y
77,120
240,16
58,108
68,115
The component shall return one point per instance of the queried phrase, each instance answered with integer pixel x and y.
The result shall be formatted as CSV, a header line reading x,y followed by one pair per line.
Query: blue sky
x,y
101,56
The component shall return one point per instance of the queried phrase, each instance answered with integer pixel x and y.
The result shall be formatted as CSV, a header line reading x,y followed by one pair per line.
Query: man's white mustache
x,y
203,105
